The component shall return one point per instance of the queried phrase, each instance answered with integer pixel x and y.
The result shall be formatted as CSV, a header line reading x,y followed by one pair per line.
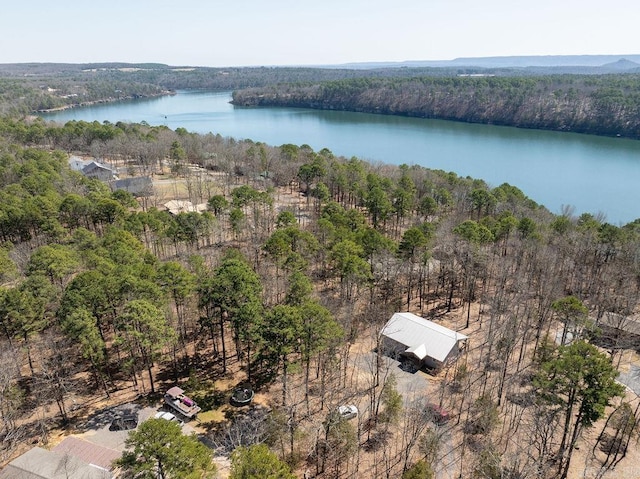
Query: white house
x,y
93,169
76,163
423,341
100,171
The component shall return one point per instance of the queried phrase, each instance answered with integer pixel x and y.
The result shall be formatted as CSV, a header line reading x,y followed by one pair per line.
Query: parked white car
x,y
167,416
348,411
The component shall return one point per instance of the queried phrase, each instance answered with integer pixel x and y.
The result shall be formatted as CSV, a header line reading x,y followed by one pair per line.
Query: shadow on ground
x,y
105,417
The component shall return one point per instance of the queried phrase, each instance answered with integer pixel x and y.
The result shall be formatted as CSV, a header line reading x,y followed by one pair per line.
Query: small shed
x,y
420,340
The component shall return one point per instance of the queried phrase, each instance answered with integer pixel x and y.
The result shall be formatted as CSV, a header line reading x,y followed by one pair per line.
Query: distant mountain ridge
x,y
549,61
622,65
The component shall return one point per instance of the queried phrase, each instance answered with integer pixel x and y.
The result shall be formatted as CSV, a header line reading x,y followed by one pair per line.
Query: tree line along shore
x,y
599,105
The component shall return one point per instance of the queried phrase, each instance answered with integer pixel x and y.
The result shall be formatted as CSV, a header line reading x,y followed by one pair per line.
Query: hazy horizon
x,y
634,56
299,33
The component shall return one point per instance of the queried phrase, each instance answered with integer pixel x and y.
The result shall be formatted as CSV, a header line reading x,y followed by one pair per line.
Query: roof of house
x,y
39,463
183,206
77,164
629,324
179,206
88,452
96,165
138,185
422,337
95,168
419,351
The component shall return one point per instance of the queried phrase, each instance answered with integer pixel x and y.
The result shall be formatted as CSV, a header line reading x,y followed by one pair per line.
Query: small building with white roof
x,y
176,207
422,341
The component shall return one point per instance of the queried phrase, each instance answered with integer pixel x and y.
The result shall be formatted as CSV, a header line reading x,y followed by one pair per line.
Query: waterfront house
x,y
423,342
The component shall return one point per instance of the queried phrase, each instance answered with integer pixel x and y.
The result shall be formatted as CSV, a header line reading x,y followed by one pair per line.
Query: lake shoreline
x,y
104,101
267,103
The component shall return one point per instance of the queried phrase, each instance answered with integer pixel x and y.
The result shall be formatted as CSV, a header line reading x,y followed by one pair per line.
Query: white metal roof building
x,y
431,344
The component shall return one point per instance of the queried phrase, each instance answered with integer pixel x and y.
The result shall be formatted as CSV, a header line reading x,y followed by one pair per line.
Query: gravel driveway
x,y
413,385
97,427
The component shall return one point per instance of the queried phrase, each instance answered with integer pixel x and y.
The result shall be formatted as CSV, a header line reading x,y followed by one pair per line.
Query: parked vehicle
x,y
347,411
439,415
124,423
168,416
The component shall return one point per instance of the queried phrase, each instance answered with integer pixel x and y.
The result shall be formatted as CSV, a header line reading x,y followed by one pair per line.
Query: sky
x,y
310,32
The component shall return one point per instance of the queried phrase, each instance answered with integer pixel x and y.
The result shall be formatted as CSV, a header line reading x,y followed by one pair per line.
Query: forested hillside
x,y
602,105
595,104
285,282
29,87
